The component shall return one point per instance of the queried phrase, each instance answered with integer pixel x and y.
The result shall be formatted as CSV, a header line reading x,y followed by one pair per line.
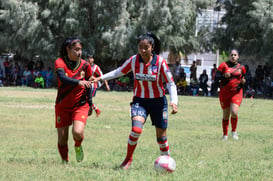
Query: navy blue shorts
x,y
157,108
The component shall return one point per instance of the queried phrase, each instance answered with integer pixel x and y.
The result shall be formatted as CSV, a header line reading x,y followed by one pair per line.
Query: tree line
x,y
109,28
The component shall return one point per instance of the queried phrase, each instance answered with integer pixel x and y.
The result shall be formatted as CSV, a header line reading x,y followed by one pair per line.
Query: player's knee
x,y
234,114
137,126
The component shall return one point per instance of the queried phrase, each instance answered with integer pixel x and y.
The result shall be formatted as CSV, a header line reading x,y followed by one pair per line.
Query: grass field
x,y
29,140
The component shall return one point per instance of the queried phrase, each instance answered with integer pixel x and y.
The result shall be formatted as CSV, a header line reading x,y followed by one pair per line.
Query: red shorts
x,y
65,117
227,97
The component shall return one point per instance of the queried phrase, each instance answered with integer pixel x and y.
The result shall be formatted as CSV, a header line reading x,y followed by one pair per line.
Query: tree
x,y
249,28
108,28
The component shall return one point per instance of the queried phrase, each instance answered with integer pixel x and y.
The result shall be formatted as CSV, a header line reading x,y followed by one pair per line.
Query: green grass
x,y
29,140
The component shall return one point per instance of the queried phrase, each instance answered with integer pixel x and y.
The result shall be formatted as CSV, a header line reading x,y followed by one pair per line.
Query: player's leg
x,y
62,123
161,135
137,125
94,107
77,132
225,100
62,142
225,122
138,115
79,117
234,109
159,117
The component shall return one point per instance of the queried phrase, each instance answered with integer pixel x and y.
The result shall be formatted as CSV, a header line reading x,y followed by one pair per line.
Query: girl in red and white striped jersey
x,y
149,70
96,72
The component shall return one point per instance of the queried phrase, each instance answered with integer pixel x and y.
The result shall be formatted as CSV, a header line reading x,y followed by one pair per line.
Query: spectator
x,y
123,82
214,86
193,70
15,73
203,79
267,69
49,77
177,71
248,77
182,85
39,65
31,65
39,81
182,74
194,86
259,76
7,69
1,76
267,86
26,77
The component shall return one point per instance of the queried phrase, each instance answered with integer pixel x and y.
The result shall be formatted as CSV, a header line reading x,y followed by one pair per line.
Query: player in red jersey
x,y
232,78
149,70
96,72
74,96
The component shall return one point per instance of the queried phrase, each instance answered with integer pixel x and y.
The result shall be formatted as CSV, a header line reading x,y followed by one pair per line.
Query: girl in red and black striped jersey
x,y
231,76
74,96
149,70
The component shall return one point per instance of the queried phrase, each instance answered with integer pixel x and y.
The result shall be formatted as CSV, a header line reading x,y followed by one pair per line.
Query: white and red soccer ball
x,y
165,164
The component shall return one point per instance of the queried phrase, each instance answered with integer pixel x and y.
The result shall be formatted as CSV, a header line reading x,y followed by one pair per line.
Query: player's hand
x,y
85,83
174,107
227,74
243,81
95,79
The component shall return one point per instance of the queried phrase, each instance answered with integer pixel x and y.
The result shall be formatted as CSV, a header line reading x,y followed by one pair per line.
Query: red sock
x,y
63,150
163,145
132,141
225,124
94,107
78,143
234,122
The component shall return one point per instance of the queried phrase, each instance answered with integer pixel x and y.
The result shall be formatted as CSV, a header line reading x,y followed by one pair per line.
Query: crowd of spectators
x,y
258,85
31,74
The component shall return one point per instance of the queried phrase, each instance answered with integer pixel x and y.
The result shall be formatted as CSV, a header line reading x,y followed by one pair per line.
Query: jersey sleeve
x,y
126,66
166,72
222,67
59,64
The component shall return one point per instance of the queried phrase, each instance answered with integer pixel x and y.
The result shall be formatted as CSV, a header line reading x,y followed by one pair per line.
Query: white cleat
x,y
234,135
224,138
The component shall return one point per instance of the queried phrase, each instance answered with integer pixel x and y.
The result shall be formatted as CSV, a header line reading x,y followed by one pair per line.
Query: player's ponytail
x,y
153,40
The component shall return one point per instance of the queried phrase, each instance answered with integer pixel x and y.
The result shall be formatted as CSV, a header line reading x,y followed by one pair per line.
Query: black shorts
x,y
157,108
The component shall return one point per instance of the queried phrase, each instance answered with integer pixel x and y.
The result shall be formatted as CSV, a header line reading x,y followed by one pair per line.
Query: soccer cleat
x,y
126,163
225,138
234,135
98,112
79,153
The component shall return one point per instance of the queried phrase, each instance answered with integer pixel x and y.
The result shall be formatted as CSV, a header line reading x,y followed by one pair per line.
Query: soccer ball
x,y
164,164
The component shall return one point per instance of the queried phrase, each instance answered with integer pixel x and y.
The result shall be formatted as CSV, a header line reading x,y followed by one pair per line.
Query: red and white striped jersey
x,y
148,78
96,72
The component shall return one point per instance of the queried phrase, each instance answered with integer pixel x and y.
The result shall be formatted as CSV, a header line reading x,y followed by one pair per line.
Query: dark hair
x,y
90,56
234,49
153,40
68,42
